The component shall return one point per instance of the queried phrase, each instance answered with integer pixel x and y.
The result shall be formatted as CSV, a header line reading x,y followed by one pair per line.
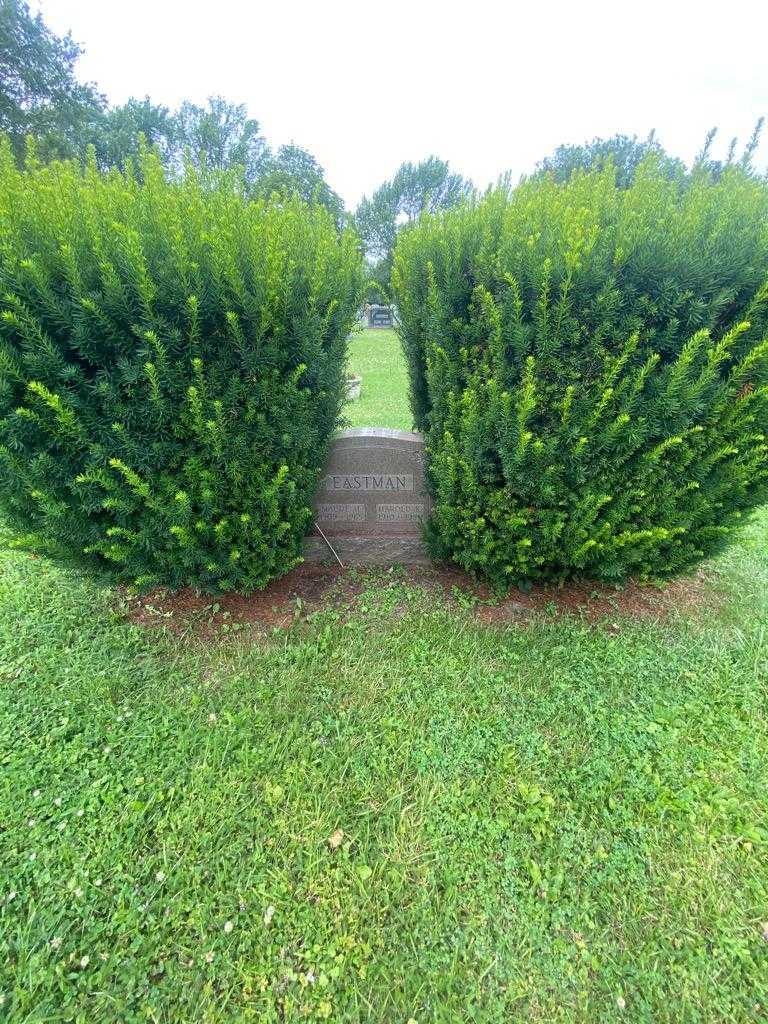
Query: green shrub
x,y
590,367
171,368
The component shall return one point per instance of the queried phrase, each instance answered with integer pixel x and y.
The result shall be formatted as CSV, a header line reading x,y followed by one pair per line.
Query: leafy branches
x,y
170,375
415,188
39,93
589,362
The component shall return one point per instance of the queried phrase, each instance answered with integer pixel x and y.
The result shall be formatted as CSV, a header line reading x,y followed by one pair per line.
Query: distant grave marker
x,y
372,501
380,316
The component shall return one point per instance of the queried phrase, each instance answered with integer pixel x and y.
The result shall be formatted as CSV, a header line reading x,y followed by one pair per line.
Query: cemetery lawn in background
x,y
385,811
375,354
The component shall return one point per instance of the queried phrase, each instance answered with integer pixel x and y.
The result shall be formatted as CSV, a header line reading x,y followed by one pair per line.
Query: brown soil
x,y
311,587
600,603
189,611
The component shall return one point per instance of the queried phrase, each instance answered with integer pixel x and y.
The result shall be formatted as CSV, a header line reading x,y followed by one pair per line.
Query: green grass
x,y
555,822
377,357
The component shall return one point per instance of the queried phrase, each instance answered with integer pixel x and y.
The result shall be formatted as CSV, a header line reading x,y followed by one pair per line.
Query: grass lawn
x,y
550,822
375,354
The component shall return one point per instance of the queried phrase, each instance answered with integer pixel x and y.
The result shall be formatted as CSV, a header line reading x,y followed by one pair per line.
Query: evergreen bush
x,y
171,368
590,366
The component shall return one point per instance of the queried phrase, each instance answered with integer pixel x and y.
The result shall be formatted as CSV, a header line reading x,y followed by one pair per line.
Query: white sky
x,y
490,85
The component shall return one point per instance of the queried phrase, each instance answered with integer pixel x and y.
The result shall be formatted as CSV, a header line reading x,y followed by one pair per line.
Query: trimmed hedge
x,y
171,368
590,365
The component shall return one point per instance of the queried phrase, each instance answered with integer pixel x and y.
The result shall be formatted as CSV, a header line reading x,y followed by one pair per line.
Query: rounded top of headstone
x,y
387,432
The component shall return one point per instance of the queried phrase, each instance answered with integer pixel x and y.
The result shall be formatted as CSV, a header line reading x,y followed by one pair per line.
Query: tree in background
x,y
225,134
427,186
219,136
294,171
625,151
376,223
39,94
40,97
116,134
226,137
628,152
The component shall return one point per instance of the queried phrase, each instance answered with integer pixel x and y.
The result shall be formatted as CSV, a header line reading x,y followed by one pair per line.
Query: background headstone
x,y
380,316
372,500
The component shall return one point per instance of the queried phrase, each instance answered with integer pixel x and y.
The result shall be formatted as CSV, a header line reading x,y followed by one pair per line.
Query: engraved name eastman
x,y
369,482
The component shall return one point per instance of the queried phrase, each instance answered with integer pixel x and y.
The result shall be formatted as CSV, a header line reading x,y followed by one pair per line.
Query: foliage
x,y
221,136
171,368
39,94
40,97
626,153
716,167
427,186
294,171
376,223
378,285
557,823
118,133
582,360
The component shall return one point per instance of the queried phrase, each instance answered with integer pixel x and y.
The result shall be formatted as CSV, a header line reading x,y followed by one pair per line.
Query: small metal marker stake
x,y
329,545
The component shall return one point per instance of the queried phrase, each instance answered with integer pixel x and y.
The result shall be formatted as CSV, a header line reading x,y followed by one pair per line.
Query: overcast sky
x,y
490,85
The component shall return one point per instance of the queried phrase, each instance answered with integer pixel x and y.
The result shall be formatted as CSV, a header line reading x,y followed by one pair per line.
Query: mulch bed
x,y
312,587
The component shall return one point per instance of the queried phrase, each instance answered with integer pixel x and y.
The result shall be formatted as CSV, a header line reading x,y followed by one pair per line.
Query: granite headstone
x,y
372,501
379,316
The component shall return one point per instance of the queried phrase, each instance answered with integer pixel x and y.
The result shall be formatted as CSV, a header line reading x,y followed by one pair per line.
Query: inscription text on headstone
x,y
373,500
341,513
369,482
401,513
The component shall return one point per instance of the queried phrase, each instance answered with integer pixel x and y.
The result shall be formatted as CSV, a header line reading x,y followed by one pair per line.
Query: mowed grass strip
x,y
556,822
375,354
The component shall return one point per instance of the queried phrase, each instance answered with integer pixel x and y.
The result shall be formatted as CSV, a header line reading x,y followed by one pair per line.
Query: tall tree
x,y
292,170
222,135
39,94
116,135
376,223
625,151
429,185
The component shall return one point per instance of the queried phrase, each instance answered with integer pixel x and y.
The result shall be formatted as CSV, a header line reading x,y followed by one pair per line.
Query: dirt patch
x,y
597,602
190,612
311,587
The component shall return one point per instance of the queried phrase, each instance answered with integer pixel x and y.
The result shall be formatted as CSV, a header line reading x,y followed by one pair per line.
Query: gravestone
x,y
379,316
372,500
